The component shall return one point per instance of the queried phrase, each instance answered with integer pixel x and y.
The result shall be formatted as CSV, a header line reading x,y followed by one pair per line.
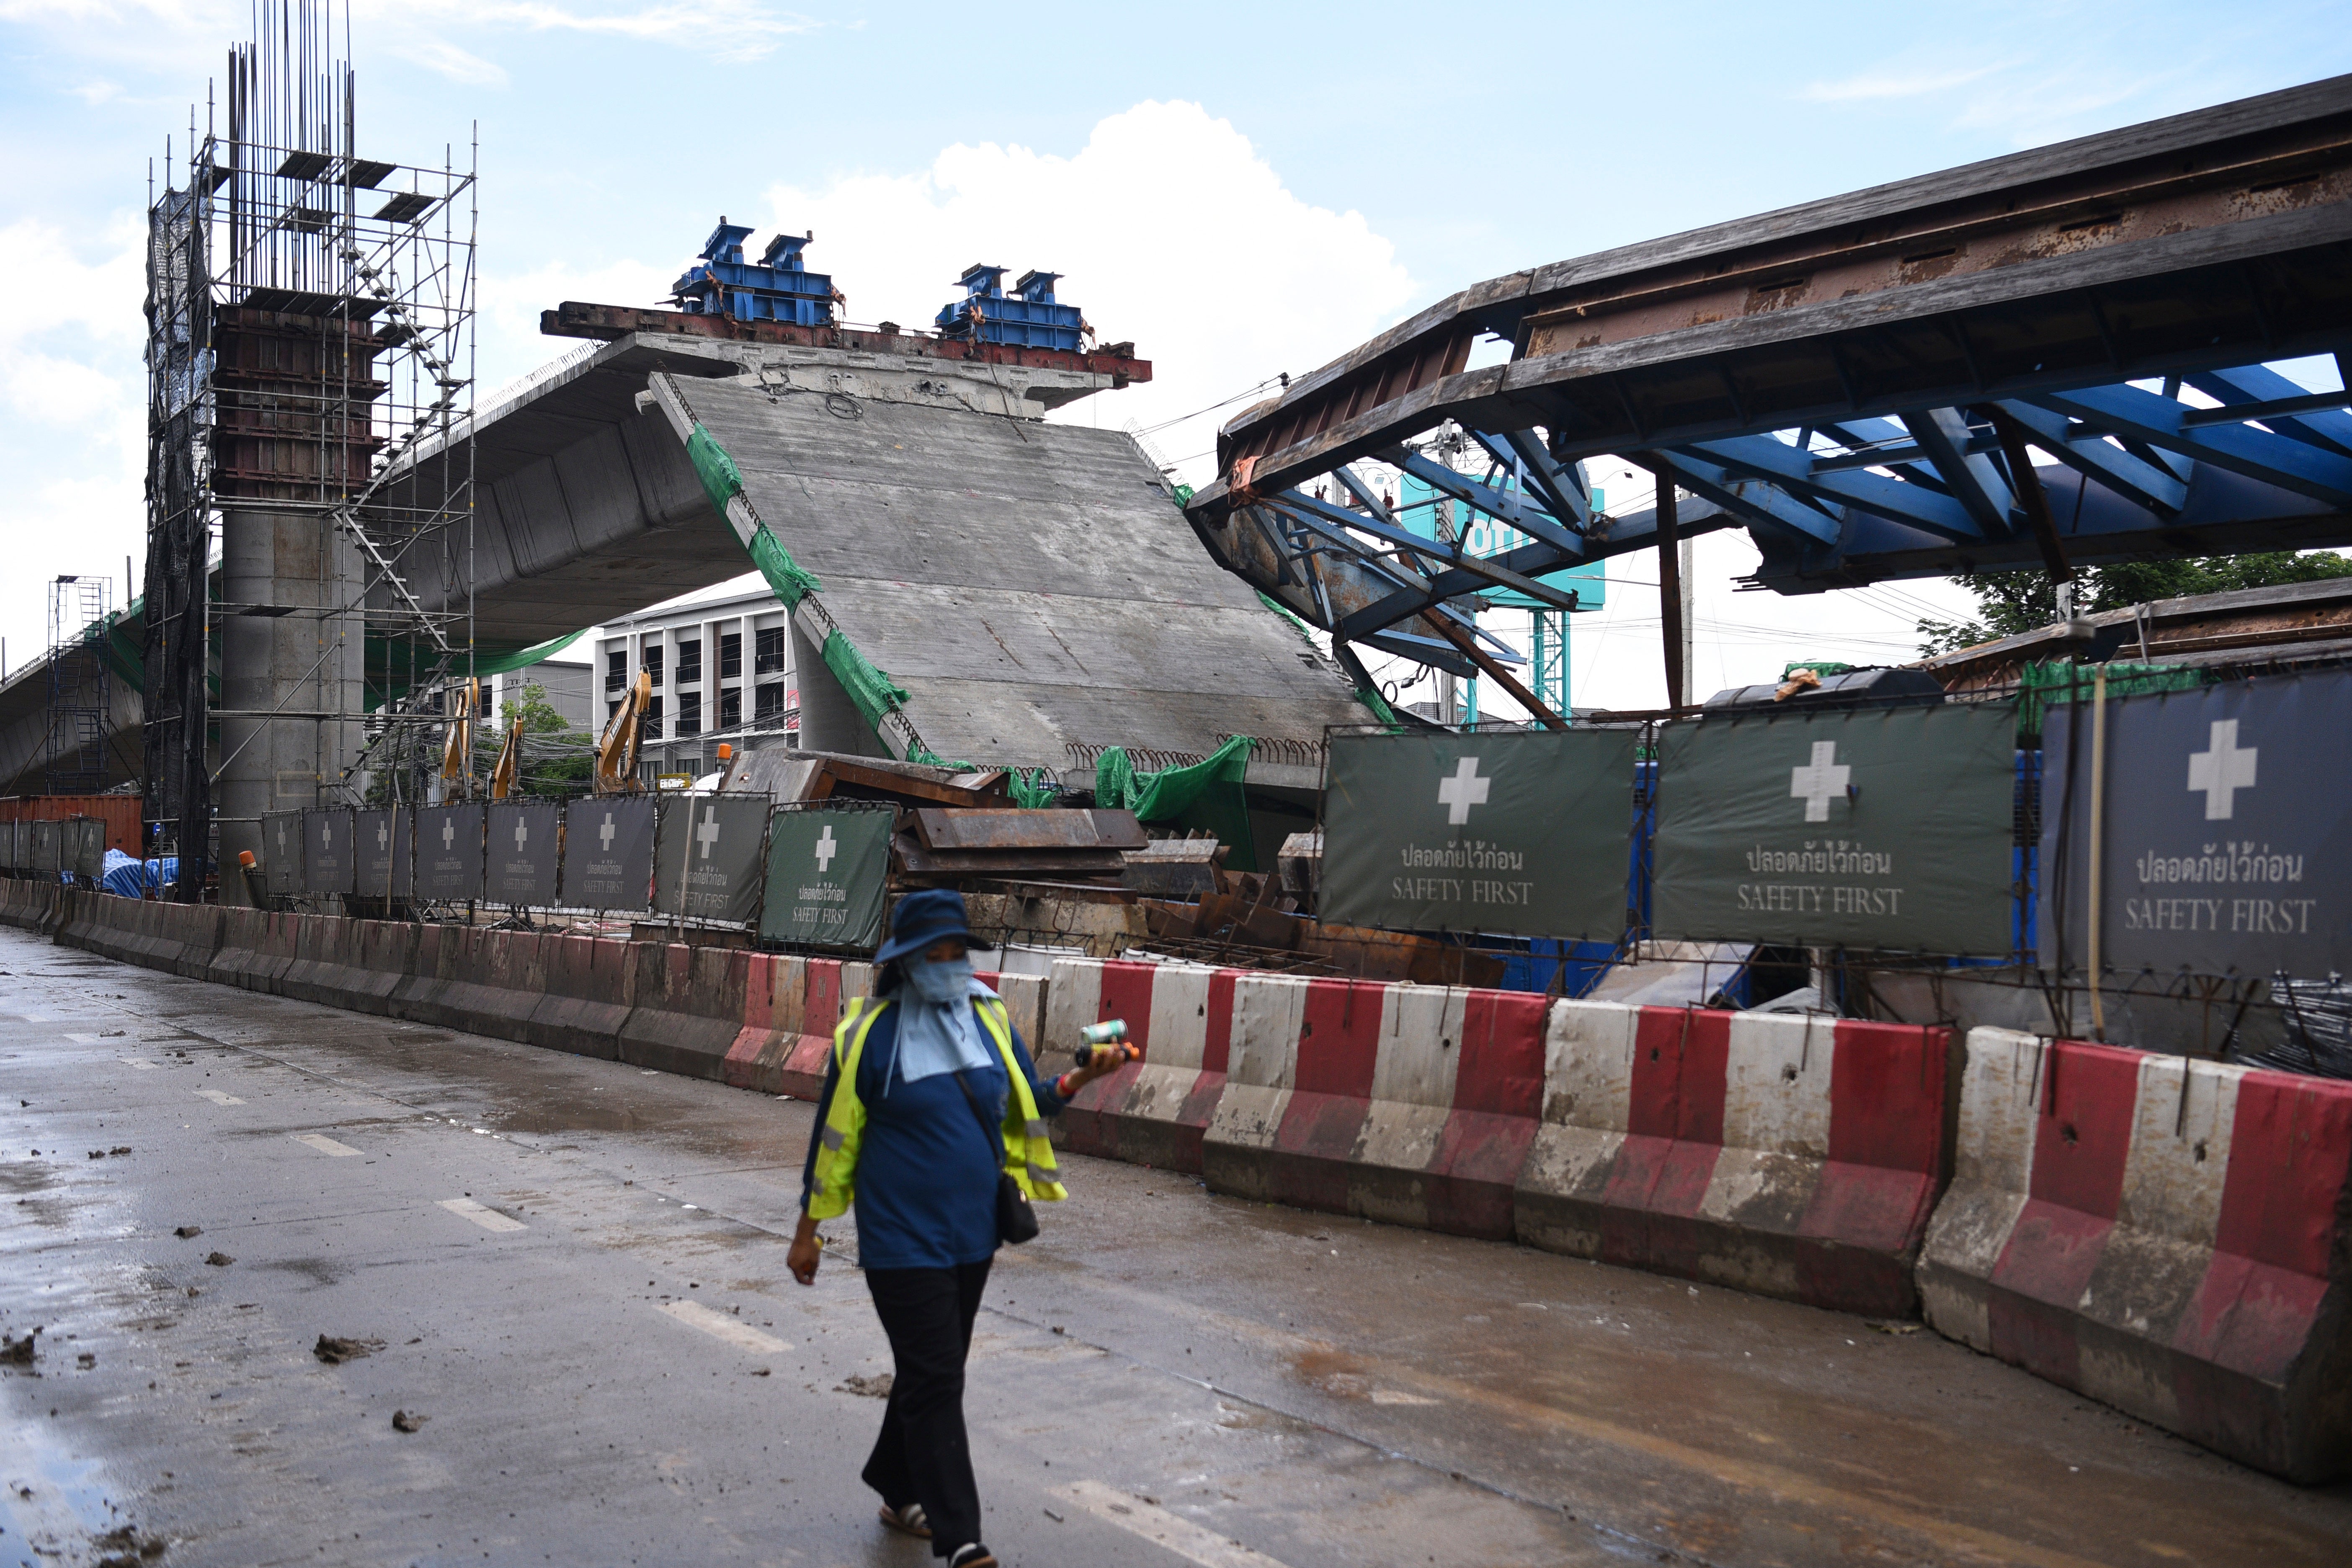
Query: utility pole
x,y
1673,604
1449,710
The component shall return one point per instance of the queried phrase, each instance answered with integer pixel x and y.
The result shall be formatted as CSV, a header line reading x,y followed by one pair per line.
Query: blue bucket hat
x,y
924,918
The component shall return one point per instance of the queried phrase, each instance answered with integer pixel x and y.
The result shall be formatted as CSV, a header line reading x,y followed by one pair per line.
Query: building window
x,y
730,706
653,663
768,702
690,661
650,727
770,652
616,670
612,711
690,714
731,655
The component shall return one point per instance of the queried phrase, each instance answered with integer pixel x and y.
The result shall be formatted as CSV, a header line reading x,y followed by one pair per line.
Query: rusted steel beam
x,y
2215,238
1503,677
574,319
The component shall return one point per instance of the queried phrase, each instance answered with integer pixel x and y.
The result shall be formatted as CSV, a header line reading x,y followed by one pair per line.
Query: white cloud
x,y
446,58
730,29
1169,230
73,392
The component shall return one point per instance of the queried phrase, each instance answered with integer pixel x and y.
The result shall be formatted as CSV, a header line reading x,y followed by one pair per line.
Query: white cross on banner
x,y
2221,833
2221,770
707,834
326,835
826,849
384,835
1819,782
1463,790
605,834
523,834
448,833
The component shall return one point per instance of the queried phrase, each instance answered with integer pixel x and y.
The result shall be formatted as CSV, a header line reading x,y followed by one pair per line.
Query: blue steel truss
x,y
2103,473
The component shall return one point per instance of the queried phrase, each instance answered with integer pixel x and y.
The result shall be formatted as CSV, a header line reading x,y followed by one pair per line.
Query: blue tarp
x,y
131,879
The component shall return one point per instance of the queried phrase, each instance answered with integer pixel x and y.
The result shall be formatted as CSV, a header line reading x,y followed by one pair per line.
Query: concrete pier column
x,y
306,661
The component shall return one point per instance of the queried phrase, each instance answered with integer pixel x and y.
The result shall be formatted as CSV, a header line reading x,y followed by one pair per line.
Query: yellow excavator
x,y
616,750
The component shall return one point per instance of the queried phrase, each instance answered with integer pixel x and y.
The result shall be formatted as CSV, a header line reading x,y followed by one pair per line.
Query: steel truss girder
x,y
1927,490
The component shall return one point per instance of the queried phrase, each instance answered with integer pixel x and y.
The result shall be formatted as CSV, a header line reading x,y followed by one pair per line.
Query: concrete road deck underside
x,y
573,1273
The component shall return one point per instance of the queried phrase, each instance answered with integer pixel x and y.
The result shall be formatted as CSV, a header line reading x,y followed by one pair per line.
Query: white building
x,y
569,685
722,669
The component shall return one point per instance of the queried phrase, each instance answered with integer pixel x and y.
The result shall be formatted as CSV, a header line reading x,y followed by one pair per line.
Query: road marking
x,y
1193,1543
324,1144
219,1097
720,1326
487,1218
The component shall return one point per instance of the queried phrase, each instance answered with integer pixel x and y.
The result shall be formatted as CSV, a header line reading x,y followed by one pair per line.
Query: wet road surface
x,y
569,1275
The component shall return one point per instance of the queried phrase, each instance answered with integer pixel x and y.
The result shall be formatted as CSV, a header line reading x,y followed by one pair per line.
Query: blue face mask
x,y
939,980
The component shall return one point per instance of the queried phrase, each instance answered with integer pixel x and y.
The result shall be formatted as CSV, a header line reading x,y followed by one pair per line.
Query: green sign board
x,y
1520,834
1887,828
827,872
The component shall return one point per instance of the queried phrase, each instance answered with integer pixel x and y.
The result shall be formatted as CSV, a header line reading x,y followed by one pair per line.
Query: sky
x,y
1243,190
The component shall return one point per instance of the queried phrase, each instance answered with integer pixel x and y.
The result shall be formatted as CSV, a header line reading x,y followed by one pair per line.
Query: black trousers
x,y
922,1454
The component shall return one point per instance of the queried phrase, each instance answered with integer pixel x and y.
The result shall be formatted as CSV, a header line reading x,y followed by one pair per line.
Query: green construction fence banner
x,y
1520,834
827,874
1888,829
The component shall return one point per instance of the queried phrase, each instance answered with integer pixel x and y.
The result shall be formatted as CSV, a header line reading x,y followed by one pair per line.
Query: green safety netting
x,y
1031,787
121,642
785,575
2045,685
723,481
869,687
1207,794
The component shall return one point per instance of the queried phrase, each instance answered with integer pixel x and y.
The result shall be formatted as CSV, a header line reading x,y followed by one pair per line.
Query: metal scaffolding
x,y
312,340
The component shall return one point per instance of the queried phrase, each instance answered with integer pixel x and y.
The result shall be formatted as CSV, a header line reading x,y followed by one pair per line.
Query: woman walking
x,y
930,1102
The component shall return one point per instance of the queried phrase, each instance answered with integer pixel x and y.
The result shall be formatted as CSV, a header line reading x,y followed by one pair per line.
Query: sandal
x,y
908,1519
972,1554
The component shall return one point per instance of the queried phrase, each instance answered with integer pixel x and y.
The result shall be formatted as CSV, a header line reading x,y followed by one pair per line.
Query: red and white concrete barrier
x,y
1410,1104
790,1007
1154,1111
2173,1238
1786,1156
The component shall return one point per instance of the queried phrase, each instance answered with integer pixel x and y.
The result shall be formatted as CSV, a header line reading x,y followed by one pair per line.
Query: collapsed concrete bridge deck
x,y
1031,586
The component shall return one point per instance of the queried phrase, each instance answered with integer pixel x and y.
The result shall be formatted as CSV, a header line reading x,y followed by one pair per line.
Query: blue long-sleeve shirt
x,y
926,1181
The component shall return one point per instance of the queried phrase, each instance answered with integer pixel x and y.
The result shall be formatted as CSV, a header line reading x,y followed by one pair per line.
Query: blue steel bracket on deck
x,y
778,287
1029,317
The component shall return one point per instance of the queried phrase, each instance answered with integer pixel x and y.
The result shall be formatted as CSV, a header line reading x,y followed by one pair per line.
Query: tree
x,y
2010,603
559,766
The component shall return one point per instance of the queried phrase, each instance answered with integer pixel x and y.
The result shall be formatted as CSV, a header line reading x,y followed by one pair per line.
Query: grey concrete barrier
x,y
591,989
689,1008
493,981
379,957
240,932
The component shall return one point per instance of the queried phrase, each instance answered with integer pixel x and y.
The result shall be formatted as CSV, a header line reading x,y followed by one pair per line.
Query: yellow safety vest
x,y
1028,1153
